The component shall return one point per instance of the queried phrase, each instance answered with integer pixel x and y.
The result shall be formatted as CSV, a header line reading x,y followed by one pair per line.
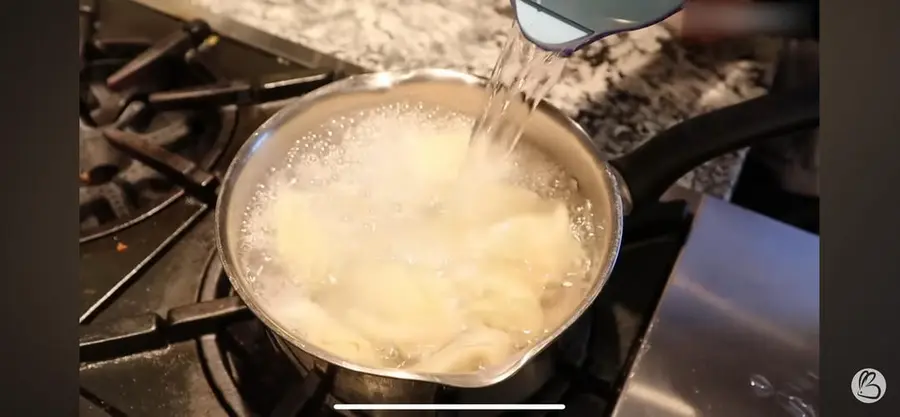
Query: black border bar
x,y
860,183
39,189
860,155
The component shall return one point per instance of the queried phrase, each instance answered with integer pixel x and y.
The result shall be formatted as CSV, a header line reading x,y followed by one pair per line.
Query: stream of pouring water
x,y
521,78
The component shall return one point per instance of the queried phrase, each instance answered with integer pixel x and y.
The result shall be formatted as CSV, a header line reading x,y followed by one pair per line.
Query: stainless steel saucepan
x,y
614,188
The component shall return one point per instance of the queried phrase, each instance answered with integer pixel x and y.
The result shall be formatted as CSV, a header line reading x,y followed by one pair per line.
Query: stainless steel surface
x,y
548,129
736,331
281,48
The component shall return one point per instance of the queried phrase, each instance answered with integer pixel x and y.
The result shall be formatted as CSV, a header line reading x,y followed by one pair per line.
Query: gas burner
x,y
246,362
250,374
116,189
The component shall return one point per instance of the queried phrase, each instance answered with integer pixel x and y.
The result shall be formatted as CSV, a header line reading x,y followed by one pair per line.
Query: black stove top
x,y
164,106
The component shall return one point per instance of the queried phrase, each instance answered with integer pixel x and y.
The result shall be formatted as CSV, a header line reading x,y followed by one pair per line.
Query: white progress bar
x,y
472,407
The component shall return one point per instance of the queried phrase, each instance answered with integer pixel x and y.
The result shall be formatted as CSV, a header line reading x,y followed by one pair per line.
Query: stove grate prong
x,y
242,92
192,35
185,173
127,336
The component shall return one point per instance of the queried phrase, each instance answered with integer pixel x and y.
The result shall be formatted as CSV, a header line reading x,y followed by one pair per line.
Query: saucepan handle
x,y
650,170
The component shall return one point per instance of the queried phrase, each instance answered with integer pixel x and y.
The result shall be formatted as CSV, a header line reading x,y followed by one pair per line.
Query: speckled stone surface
x,y
622,90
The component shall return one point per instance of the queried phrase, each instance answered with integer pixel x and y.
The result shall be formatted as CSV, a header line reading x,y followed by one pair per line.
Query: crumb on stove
x,y
121,247
84,177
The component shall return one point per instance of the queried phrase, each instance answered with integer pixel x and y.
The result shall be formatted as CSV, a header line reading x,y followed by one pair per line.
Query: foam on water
x,y
369,240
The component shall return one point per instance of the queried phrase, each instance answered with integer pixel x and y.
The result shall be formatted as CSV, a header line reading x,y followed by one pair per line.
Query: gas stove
x,y
167,96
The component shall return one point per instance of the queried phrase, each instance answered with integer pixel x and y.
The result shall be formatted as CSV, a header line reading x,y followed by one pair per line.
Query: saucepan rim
x,y
372,82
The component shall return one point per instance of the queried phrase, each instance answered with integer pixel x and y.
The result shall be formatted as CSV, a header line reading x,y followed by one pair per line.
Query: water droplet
x,y
795,406
761,386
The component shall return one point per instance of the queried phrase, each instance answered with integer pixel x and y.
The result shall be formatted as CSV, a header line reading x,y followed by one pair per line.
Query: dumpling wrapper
x,y
446,160
310,236
478,205
543,240
301,241
438,159
497,297
476,348
325,332
398,305
409,308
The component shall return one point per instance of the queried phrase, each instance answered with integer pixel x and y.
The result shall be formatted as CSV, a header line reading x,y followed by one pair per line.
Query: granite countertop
x,y
622,90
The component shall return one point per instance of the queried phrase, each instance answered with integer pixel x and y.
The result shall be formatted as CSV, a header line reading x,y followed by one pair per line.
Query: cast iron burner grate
x,y
116,189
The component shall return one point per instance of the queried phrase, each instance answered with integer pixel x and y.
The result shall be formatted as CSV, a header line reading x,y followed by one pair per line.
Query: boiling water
x,y
371,243
382,241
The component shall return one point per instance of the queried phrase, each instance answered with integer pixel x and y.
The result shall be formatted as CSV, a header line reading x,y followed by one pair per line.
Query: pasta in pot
x,y
397,305
309,253
498,202
512,247
418,257
542,239
323,331
498,298
476,348
438,160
